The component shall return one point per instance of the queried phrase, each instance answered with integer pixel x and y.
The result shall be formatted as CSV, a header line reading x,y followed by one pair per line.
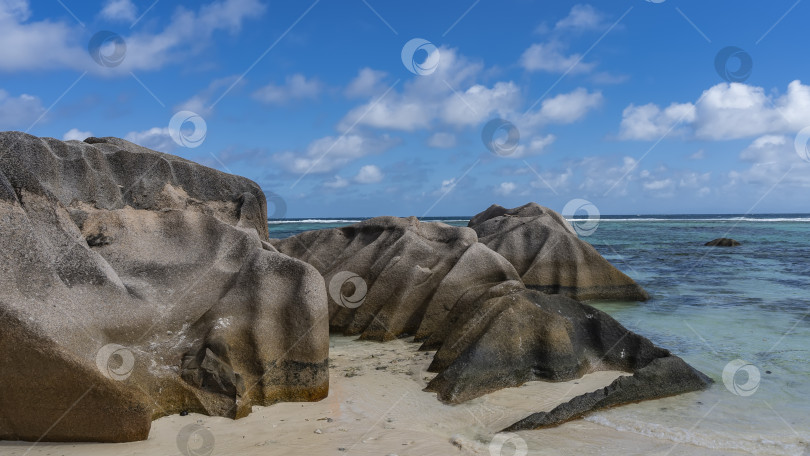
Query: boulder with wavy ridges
x,y
461,298
549,256
137,284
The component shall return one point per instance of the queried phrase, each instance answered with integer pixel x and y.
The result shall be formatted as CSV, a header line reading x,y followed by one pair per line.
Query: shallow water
x,y
711,306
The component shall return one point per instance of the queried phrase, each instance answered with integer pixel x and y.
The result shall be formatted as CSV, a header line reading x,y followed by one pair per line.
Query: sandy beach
x,y
376,406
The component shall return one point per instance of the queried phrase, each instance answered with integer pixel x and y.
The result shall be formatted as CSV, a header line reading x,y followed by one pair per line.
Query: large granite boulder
x,y
549,256
137,284
392,277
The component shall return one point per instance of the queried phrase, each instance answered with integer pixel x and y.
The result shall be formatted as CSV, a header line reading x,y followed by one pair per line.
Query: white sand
x,y
376,406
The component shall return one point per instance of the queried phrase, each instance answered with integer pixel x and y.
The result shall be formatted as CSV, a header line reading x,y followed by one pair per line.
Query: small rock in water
x,y
722,242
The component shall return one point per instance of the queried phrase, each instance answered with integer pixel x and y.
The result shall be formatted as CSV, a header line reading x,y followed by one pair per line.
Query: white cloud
x,y
367,83
155,138
568,107
651,122
774,161
78,135
16,9
699,155
549,57
327,154
450,96
478,103
119,10
505,188
48,44
658,185
19,112
582,18
535,146
200,103
725,111
337,182
296,87
368,174
442,140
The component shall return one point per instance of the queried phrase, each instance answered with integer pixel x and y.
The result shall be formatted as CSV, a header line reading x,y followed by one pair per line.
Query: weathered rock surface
x,y
456,295
137,284
722,242
549,256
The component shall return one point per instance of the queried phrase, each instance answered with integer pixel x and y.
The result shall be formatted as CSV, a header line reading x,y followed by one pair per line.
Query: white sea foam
x,y
730,219
706,438
274,222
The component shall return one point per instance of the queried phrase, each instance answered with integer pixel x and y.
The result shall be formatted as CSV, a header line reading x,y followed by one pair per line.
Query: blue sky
x,y
618,103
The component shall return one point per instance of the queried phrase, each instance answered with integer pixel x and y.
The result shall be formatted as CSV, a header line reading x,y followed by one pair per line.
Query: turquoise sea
x,y
743,310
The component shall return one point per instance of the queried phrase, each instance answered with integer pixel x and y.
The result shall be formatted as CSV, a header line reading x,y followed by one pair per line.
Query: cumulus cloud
x,y
453,98
551,58
155,138
442,140
296,87
327,154
582,18
200,103
725,111
19,112
567,108
76,134
534,146
651,122
119,10
336,182
450,96
368,174
367,83
34,45
505,188
773,160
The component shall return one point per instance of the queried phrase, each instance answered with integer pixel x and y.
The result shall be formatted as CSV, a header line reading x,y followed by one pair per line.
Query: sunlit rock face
x,y
137,284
